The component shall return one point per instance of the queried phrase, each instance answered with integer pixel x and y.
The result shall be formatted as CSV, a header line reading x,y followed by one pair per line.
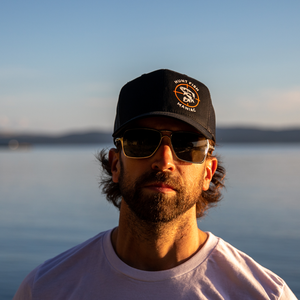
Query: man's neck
x,y
156,246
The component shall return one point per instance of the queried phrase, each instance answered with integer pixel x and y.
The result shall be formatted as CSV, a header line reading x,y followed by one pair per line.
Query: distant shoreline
x,y
224,135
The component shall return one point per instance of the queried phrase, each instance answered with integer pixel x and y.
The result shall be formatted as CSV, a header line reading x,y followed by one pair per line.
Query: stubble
x,y
158,207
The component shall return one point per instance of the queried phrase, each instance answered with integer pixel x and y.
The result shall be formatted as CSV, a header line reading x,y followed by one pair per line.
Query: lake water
x,y
50,201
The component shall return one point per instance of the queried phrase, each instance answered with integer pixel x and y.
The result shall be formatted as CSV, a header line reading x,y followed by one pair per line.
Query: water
x,y
50,201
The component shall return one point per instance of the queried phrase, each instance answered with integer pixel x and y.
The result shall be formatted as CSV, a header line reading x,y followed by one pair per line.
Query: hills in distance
x,y
224,135
255,135
90,137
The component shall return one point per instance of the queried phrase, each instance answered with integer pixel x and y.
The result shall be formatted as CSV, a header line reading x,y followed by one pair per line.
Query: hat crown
x,y
166,93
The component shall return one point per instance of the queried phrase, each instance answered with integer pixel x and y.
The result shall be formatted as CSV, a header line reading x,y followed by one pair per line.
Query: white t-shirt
x,y
92,270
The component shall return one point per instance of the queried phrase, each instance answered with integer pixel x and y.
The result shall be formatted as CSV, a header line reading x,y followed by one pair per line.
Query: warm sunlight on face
x,y
161,187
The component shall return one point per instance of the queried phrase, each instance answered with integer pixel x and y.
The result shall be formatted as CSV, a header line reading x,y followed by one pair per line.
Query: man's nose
x,y
164,156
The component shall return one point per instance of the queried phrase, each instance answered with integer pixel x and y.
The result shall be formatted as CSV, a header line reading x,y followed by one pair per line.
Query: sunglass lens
x,y
189,146
140,142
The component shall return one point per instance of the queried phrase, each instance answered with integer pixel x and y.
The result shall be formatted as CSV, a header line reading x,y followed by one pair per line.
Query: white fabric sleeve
x,y
287,294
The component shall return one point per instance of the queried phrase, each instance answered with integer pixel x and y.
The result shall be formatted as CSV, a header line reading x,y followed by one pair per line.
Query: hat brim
x,y
183,118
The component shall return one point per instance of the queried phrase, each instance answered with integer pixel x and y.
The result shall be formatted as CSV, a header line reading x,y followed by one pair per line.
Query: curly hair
x,y
208,198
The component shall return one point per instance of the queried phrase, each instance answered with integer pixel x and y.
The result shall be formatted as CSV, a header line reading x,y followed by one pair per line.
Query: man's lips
x,y
160,187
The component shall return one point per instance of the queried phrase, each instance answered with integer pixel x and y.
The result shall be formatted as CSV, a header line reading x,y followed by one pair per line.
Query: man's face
x,y
162,187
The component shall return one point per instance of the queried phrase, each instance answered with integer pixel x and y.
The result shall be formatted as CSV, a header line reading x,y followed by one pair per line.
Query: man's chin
x,y
162,208
156,218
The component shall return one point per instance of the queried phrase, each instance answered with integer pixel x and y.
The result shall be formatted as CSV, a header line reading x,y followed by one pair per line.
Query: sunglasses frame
x,y
120,139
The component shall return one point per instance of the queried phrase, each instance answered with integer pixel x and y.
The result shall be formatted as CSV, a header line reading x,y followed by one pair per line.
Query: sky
x,y
63,63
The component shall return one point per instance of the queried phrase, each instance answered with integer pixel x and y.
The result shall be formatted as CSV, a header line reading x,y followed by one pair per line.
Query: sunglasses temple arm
x,y
210,147
116,140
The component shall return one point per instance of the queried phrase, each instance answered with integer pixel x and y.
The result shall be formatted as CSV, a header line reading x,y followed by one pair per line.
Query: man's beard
x,y
158,207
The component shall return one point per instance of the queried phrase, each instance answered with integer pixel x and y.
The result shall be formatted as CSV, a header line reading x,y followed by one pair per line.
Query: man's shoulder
x,y
226,255
65,267
228,266
88,249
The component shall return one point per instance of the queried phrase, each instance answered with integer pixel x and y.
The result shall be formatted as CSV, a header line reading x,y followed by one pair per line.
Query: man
x,y
162,175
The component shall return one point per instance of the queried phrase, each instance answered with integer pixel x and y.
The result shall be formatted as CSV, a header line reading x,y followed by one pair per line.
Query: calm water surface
x,y
50,201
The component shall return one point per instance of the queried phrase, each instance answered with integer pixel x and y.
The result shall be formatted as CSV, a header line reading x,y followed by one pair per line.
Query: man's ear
x,y
210,169
114,161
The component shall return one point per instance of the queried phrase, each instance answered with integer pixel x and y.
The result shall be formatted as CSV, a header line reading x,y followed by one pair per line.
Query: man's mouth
x,y
161,187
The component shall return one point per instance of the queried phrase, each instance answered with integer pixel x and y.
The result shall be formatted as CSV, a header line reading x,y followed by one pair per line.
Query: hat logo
x,y
187,95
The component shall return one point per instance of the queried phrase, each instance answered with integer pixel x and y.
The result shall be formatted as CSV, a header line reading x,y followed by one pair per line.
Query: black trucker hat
x,y
166,93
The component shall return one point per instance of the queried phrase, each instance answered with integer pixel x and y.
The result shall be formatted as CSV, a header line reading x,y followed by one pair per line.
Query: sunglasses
x,y
144,142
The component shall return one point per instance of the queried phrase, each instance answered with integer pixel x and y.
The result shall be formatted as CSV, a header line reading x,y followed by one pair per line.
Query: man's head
x,y
164,133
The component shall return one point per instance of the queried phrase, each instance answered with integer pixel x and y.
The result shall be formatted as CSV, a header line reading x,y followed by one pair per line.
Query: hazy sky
x,y
62,63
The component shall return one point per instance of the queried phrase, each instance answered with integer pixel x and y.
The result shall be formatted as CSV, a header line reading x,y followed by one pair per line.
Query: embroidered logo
x,y
187,95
